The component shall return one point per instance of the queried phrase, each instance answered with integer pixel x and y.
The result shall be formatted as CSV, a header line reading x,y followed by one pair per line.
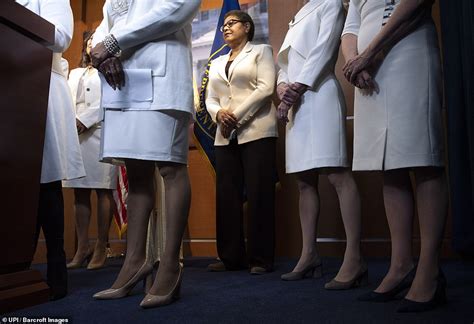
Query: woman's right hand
x,y
226,118
81,128
281,89
365,81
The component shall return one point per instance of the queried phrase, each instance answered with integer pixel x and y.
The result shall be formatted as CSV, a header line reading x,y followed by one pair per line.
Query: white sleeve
x,y
332,20
162,19
352,24
59,13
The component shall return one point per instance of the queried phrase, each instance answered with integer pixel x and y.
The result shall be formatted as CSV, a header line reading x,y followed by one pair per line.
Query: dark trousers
x,y
250,166
51,219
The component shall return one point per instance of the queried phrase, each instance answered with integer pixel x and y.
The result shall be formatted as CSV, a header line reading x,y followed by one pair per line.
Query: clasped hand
x,y
356,71
81,128
227,121
110,66
289,94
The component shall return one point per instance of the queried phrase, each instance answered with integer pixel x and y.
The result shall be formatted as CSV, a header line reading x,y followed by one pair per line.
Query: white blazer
x,y
315,133
317,41
91,113
157,36
62,157
246,93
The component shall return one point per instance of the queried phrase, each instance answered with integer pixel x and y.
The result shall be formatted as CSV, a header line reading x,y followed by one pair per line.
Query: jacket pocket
x,y
152,56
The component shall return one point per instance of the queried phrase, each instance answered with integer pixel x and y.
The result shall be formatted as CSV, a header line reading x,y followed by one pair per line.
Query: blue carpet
x,y
237,297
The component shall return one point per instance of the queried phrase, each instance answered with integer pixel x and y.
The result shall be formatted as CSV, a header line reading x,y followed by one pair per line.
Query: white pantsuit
x,y
315,133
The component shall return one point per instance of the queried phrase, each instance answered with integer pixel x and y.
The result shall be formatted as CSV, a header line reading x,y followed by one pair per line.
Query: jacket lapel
x,y
220,64
306,10
243,54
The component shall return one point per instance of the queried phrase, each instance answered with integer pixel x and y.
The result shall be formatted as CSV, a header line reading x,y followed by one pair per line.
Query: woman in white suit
x,y
61,154
85,86
315,134
146,122
393,59
238,100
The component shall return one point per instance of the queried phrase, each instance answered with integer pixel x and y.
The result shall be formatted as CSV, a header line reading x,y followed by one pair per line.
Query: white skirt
x,y
98,175
62,159
154,135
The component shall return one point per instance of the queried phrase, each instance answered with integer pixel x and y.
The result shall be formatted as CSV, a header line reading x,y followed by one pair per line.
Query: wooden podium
x,y
25,72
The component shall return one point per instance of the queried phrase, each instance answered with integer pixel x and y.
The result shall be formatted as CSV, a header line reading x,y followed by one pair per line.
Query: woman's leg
x,y
432,203
398,200
105,211
258,159
51,220
177,201
349,201
140,202
229,206
307,182
82,208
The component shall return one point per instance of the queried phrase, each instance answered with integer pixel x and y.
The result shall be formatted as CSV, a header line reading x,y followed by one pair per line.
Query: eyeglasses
x,y
230,23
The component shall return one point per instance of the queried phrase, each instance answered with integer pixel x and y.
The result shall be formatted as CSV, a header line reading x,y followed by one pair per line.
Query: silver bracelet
x,y
112,46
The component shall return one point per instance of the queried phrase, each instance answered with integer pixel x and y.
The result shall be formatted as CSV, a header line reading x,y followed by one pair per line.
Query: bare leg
x,y
178,201
307,182
398,200
432,199
349,201
141,198
82,208
105,210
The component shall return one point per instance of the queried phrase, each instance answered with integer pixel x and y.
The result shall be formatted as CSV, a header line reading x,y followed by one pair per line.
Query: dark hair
x,y
85,58
245,18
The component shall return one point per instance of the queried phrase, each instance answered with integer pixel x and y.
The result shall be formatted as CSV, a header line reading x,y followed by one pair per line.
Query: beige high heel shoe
x,y
360,279
78,264
98,258
115,293
315,268
155,300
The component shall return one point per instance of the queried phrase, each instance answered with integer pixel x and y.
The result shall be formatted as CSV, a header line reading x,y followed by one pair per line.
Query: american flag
x,y
120,197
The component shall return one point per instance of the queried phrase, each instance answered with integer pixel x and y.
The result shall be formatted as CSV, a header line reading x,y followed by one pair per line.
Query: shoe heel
x,y
318,272
148,282
363,280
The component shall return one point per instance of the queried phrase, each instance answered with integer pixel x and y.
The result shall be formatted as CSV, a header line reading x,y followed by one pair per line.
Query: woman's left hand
x,y
282,112
112,70
99,54
226,131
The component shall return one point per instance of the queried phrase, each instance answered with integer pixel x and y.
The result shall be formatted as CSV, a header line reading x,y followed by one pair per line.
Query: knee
x,y
307,186
342,180
172,170
426,174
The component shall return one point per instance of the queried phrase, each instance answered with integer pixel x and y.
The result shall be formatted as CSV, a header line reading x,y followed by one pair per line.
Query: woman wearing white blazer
x,y
85,86
238,100
61,154
315,134
145,125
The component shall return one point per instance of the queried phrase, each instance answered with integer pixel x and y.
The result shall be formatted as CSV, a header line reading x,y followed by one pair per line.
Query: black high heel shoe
x,y
439,299
384,297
